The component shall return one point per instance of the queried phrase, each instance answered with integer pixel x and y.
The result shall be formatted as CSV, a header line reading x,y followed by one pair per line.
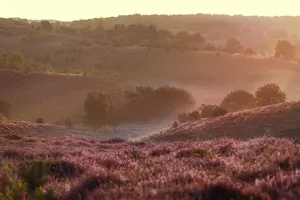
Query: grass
x,y
261,167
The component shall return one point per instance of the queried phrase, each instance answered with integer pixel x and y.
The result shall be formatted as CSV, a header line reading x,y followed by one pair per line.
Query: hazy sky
x,y
83,9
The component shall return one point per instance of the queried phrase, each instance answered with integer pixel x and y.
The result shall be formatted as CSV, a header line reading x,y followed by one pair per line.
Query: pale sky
x,y
77,9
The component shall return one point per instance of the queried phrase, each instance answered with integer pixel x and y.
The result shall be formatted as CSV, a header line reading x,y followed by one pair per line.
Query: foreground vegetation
x,y
262,168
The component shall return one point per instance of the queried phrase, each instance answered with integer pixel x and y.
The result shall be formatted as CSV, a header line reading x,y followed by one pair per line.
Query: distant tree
x,y
5,107
46,25
233,46
182,35
284,49
40,120
238,100
66,70
269,94
210,47
152,33
145,103
98,108
249,51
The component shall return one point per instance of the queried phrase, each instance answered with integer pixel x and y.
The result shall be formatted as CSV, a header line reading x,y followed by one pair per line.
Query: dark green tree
x,y
269,94
233,46
98,108
47,26
238,100
284,49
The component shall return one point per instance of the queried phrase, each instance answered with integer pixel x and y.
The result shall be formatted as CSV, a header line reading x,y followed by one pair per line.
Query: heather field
x,y
261,168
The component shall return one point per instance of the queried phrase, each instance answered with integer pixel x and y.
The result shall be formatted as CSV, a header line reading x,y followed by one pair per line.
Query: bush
x,y
66,122
2,117
5,108
269,94
34,173
33,177
183,117
40,120
238,100
211,111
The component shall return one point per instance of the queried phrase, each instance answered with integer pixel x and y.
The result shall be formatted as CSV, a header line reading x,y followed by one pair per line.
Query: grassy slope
x,y
50,96
280,120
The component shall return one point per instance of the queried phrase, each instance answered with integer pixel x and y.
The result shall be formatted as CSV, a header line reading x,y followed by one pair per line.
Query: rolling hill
x,y
209,76
279,120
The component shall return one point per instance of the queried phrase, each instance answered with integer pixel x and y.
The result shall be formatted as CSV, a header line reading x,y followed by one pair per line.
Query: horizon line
x,y
154,14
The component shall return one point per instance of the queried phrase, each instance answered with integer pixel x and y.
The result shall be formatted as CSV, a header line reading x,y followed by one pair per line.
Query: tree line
x,y
139,105
238,100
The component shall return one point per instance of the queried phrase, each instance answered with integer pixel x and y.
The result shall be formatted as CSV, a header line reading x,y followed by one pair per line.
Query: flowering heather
x,y
261,168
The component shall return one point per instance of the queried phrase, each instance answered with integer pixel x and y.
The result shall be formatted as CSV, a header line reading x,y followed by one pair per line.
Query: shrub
x,y
195,115
159,152
2,117
269,94
40,120
5,108
66,122
30,184
34,173
183,117
238,100
211,111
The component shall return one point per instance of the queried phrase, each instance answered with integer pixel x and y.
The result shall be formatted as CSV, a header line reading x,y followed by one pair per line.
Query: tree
x,y
46,25
98,108
238,100
269,94
249,51
5,108
284,49
233,46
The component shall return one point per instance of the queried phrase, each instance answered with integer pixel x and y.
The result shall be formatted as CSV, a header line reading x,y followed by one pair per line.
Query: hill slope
x,y
49,96
208,76
280,120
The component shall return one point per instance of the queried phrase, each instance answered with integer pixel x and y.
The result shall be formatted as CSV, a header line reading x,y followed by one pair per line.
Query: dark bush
x,y
5,108
66,122
34,173
211,111
40,120
159,152
114,141
64,169
2,117
80,192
